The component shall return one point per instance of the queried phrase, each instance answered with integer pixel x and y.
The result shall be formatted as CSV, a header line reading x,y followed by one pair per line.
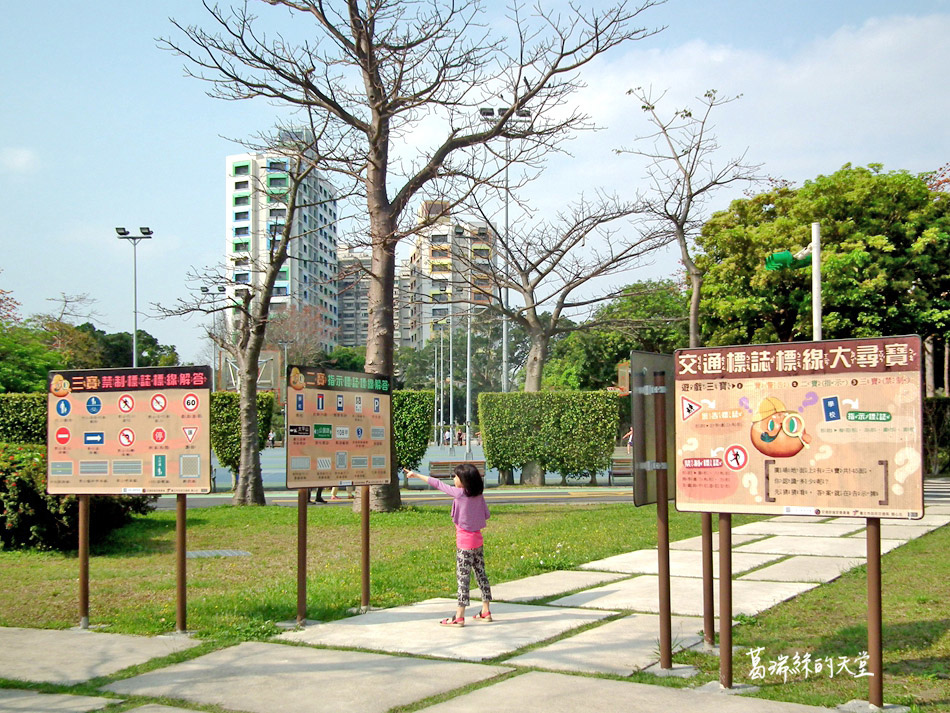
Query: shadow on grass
x,y
142,537
909,636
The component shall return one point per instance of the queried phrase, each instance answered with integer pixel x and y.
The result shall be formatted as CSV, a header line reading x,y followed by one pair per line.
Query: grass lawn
x,y
132,585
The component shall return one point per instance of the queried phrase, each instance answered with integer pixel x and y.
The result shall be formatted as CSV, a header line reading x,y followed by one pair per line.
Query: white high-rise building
x,y
443,276
257,186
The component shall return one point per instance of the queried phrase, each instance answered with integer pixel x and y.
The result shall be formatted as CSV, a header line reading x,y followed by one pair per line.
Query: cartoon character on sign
x,y
776,431
297,381
59,386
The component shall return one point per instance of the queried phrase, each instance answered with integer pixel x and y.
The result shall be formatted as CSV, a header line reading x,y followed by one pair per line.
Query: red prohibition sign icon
x,y
159,402
158,435
62,436
126,437
735,457
126,403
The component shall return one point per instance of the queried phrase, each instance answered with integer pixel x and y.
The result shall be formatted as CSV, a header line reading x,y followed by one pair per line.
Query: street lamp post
x,y
810,255
146,233
488,114
215,367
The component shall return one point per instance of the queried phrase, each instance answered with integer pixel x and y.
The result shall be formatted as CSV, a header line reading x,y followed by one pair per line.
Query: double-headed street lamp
x,y
124,234
810,255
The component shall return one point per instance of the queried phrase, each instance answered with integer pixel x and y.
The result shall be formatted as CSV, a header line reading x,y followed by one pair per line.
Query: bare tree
x,y
247,306
682,175
399,84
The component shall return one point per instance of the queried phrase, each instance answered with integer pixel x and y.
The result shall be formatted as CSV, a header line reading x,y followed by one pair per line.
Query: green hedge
x,y
566,432
226,425
29,517
412,423
23,418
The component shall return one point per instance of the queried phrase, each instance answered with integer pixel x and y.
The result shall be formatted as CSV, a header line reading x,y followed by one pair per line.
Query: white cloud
x,y
18,159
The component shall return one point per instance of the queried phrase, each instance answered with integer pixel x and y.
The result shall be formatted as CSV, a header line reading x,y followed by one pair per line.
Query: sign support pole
x,y
725,600
83,561
662,521
364,548
709,604
875,655
181,596
303,496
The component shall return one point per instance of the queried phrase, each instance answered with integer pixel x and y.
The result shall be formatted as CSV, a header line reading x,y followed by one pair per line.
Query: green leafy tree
x,y
25,359
652,316
885,261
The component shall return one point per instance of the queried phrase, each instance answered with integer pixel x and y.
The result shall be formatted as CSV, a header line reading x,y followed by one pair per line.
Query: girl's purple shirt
x,y
467,513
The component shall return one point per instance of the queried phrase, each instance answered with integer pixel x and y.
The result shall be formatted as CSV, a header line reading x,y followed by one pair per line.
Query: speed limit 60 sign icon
x,y
190,402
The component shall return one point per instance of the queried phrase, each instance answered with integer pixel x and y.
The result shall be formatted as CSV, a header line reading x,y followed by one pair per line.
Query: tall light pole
x,y
215,367
488,114
810,255
124,234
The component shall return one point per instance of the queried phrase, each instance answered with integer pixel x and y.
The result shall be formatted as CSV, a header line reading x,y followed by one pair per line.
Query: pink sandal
x,y
486,616
458,621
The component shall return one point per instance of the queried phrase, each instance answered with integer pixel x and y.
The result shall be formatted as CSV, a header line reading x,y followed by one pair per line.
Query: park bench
x,y
444,469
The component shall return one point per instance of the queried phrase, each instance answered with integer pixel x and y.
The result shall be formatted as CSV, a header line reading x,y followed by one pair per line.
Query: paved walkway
x,y
400,656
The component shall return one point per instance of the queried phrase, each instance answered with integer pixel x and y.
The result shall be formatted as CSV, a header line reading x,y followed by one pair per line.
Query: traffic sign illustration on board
x,y
817,428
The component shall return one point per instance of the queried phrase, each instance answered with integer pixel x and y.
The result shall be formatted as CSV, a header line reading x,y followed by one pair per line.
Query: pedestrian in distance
x,y
470,514
628,437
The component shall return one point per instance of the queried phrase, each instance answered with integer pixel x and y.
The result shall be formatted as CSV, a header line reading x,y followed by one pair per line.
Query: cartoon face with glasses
x,y
776,431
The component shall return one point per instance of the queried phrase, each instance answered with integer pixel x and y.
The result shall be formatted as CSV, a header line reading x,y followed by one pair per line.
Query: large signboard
x,y
810,428
129,431
339,428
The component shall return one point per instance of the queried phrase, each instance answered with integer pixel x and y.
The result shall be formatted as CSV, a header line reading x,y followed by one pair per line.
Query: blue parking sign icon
x,y
375,404
300,402
831,408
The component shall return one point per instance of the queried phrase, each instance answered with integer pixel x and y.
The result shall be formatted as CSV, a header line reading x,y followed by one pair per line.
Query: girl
x,y
470,515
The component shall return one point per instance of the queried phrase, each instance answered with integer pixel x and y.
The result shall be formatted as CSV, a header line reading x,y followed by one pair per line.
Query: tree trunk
x,y
532,473
505,477
250,486
379,342
696,285
929,366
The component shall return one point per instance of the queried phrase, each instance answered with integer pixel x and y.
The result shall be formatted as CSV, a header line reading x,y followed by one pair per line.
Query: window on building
x,y
441,267
280,291
242,199
439,239
440,311
242,278
481,297
278,213
282,275
277,181
241,185
440,297
242,262
242,231
439,252
276,164
481,252
241,169
242,215
242,247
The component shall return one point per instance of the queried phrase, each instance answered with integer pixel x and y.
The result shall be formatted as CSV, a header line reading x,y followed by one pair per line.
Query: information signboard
x,y
339,428
139,431
812,428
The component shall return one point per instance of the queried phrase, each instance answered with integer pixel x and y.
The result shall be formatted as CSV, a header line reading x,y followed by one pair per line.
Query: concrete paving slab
x,y
805,569
696,543
800,529
540,692
549,584
825,546
415,630
904,533
262,678
73,656
683,563
17,701
618,647
686,595
156,708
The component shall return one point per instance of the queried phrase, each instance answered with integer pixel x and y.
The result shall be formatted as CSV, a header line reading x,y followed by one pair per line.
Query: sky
x,y
100,128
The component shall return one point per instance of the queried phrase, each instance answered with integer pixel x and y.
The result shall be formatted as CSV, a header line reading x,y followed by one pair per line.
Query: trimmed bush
x,y
567,432
412,422
29,517
226,425
23,418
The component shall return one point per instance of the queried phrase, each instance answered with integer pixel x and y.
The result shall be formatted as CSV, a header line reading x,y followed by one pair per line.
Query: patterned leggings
x,y
465,562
